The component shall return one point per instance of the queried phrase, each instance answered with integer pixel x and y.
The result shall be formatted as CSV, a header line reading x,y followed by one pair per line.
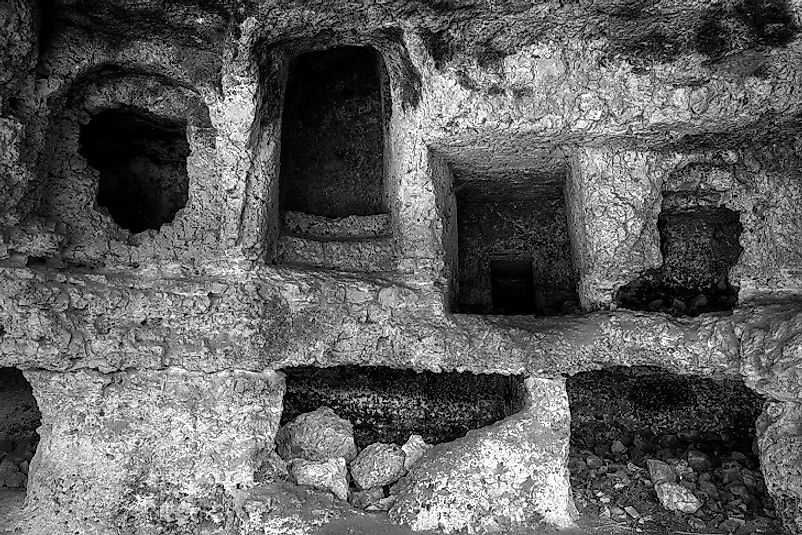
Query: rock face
x,y
191,441
510,473
780,435
378,465
328,475
317,436
155,346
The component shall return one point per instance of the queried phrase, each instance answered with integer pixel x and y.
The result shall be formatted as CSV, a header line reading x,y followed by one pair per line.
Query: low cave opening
x,y
635,429
356,430
142,162
388,405
19,420
513,245
336,115
700,244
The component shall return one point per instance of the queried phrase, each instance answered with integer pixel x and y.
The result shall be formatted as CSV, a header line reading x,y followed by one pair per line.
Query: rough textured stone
x,y
317,436
779,431
189,440
660,472
326,475
512,473
363,499
414,449
378,465
675,497
632,99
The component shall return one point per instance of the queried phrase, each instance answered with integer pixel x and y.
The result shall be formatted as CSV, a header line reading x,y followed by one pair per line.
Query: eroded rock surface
x,y
508,474
317,436
328,475
378,465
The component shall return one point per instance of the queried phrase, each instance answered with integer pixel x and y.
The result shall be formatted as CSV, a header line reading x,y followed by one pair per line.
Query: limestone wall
x,y
153,355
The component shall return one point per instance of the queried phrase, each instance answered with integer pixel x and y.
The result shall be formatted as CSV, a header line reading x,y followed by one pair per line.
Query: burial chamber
x,y
408,266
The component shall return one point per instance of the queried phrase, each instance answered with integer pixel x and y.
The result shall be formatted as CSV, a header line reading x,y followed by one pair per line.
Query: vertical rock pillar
x,y
147,451
779,431
613,199
511,473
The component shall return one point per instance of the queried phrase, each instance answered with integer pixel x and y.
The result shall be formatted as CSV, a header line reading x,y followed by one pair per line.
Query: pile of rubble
x,y
318,449
15,457
707,486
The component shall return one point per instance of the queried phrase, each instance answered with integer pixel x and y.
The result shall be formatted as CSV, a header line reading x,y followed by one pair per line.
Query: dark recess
x,y
333,127
746,24
514,252
700,245
142,163
19,420
388,405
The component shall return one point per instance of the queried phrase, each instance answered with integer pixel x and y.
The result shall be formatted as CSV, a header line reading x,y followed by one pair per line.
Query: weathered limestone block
x,y
512,473
613,200
779,435
378,465
164,451
328,475
317,436
771,352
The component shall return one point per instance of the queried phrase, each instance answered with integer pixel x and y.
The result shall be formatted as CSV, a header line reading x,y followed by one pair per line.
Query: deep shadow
x,y
388,405
333,129
699,245
142,162
19,421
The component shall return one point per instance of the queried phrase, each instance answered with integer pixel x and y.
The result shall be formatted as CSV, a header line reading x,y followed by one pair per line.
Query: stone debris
x,y
317,436
362,499
382,505
328,475
675,497
714,490
378,465
314,446
414,449
660,472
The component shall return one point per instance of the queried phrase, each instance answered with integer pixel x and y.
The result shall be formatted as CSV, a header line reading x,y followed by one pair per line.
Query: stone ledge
x,y
274,318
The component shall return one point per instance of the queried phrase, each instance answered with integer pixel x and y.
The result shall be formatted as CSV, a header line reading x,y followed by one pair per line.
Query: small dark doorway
x,y
514,251
333,128
513,286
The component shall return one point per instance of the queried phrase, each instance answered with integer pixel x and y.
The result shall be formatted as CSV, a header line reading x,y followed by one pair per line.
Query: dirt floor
x,y
11,501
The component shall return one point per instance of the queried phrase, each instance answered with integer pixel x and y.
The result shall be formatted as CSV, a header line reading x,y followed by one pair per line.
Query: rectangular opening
x,y
514,248
333,129
513,286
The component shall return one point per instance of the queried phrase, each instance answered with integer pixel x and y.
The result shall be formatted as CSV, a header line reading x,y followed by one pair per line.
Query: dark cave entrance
x,y
514,248
389,405
142,161
336,115
700,244
19,420
704,429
